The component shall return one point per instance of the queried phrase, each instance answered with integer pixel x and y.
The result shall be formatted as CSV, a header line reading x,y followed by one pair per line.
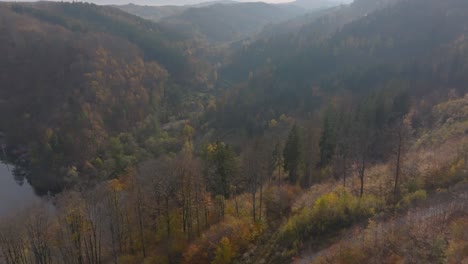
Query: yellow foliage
x,y
188,131
211,148
48,134
116,185
460,164
419,195
224,252
273,123
224,240
330,212
283,117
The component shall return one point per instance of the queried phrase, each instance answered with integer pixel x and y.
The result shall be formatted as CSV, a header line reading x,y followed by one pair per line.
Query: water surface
x,y
14,196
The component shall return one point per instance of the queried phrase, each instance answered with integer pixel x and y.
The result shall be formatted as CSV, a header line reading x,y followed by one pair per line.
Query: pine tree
x,y
327,143
222,166
292,154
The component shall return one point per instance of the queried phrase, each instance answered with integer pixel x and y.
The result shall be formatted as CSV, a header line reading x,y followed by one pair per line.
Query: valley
x,y
226,132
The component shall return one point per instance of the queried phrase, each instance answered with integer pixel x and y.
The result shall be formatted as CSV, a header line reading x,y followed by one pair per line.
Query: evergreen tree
x,y
277,161
292,154
327,142
222,166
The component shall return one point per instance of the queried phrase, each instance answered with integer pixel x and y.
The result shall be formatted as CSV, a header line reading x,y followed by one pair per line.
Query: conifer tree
x,y
292,154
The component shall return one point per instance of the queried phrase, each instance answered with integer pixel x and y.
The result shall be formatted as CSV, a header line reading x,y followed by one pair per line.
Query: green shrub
x,y
447,176
412,199
412,185
330,213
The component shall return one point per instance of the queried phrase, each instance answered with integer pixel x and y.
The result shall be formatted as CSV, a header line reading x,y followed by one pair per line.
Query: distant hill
x,y
319,4
214,2
300,31
357,48
315,9
151,2
229,22
156,13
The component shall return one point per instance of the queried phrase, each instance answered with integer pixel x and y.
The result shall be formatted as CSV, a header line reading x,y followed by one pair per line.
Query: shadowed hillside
x,y
219,22
76,75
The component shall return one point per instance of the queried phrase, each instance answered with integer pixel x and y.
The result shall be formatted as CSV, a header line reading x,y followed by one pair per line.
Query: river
x,y
13,196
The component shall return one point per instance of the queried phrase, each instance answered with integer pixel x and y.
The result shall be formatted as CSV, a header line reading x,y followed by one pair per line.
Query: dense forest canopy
x,y
92,73
225,132
391,46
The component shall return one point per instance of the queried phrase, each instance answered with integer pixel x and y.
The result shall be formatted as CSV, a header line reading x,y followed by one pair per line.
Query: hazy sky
x,y
170,2
150,2
275,1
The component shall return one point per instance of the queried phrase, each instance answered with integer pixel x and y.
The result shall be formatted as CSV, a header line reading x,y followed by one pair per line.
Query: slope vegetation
x,y
74,75
396,44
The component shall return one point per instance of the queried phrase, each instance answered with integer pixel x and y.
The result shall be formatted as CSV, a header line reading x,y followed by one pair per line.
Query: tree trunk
x,y
197,215
205,212
237,205
254,213
184,216
140,225
398,165
261,201
279,175
168,218
361,175
344,170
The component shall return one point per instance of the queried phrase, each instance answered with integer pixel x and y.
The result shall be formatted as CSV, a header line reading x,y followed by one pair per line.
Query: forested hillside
x,y
318,4
228,22
391,49
290,36
75,75
154,13
339,136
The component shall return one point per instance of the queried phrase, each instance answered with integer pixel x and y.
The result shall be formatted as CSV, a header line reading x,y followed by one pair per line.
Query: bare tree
x,y
116,217
252,177
255,168
161,181
94,230
138,206
400,133
13,244
400,129
38,225
70,232
364,134
343,145
188,174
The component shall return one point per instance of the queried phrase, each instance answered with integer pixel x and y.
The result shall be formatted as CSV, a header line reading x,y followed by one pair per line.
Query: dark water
x,y
14,195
